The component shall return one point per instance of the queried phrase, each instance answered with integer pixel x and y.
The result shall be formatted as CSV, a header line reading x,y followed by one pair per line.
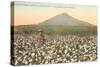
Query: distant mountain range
x,y
65,19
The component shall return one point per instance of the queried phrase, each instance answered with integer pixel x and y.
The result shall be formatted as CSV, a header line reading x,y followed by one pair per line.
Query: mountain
x,y
65,19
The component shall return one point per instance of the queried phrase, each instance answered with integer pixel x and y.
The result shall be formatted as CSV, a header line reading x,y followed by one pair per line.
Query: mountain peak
x,y
65,19
62,14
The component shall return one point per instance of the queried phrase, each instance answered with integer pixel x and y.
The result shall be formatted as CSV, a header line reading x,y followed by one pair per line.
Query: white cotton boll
x,y
21,52
68,54
59,59
51,52
65,51
26,47
54,41
32,54
80,47
53,47
42,47
86,50
16,62
64,59
93,57
43,53
25,57
58,55
39,54
36,59
48,57
69,49
15,56
26,62
60,51
30,60
46,62
72,60
30,63
75,57
19,58
42,61
39,58
66,47
29,53
85,45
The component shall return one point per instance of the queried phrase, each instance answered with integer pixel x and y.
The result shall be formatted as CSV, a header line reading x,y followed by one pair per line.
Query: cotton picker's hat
x,y
40,30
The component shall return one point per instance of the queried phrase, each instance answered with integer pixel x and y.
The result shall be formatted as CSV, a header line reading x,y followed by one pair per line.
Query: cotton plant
x,y
56,49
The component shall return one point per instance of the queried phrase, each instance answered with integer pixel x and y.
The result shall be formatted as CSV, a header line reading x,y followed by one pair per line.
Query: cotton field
x,y
56,49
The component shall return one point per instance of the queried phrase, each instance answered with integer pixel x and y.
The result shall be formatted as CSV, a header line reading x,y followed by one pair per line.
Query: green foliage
x,y
58,29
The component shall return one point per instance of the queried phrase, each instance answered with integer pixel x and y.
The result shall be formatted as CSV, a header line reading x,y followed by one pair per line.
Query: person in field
x,y
40,38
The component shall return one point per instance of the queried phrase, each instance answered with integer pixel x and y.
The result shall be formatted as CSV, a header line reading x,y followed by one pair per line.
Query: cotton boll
x,y
65,51
32,55
16,62
30,60
57,48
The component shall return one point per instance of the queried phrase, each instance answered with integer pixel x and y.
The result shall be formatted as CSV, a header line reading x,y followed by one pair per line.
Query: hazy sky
x,y
35,14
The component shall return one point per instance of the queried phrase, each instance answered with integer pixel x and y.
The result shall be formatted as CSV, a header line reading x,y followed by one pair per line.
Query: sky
x,y
29,14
